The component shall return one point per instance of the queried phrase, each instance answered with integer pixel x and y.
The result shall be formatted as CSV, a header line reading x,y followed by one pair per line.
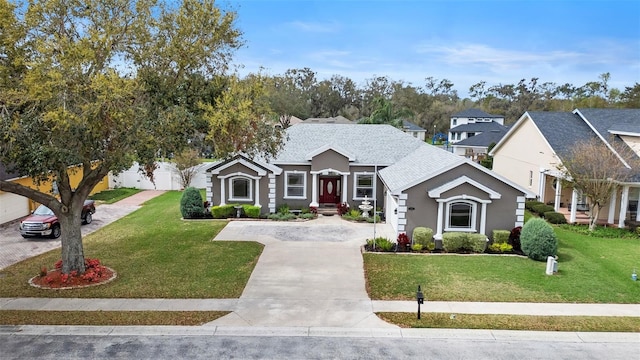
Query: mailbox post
x,y
420,299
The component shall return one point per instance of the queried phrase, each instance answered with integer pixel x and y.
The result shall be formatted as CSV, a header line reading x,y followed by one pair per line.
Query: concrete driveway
x,y
14,248
309,274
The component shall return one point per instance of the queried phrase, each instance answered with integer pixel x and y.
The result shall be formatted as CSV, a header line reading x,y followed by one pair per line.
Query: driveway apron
x,y
309,274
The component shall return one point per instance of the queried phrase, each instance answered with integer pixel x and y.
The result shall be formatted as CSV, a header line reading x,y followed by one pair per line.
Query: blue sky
x,y
499,42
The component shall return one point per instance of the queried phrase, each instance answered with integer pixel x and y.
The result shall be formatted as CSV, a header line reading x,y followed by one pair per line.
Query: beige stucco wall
x,y
524,152
633,142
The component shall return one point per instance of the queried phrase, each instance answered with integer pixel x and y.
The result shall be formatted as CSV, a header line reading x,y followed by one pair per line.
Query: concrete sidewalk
x,y
500,308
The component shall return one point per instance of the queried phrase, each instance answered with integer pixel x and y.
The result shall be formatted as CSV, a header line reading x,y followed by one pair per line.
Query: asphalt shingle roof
x,y
475,113
369,144
411,126
485,138
561,129
480,127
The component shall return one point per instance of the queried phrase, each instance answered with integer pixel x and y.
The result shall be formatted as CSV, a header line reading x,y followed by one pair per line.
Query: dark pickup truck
x,y
43,222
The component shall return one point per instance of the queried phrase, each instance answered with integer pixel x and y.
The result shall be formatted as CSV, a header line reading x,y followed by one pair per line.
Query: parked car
x,y
43,222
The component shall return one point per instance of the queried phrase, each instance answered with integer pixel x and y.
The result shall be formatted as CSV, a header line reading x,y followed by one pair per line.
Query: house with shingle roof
x,y
472,122
533,148
414,130
414,183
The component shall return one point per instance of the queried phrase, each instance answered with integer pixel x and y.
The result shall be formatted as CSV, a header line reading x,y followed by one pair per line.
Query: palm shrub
x,y
191,205
538,240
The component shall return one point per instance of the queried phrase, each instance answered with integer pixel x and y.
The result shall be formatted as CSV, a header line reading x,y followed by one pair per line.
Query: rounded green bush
x,y
422,235
538,240
555,217
191,205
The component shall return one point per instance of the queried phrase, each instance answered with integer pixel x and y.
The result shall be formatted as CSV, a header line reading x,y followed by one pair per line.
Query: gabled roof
x,y
483,139
409,126
366,144
333,147
603,120
257,165
482,126
329,120
474,113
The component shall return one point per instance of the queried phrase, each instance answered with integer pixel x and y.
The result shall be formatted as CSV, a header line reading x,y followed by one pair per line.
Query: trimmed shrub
x,y
530,204
500,247
423,236
501,236
463,242
542,208
416,247
223,212
191,205
251,211
555,217
538,240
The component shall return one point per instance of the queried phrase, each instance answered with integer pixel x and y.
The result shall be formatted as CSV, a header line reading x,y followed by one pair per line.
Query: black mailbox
x,y
420,296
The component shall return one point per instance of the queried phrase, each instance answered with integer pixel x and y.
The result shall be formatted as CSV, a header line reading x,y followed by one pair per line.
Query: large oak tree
x,y
92,86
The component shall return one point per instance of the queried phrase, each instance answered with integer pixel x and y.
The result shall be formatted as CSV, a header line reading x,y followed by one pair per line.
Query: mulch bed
x,y
54,279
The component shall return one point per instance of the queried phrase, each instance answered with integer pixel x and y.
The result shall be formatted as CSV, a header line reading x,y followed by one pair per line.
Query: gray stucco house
x,y
415,184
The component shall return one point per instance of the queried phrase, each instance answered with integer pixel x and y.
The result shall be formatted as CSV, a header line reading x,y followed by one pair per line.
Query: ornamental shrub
x,y
342,208
555,217
500,247
514,238
423,236
381,243
191,204
403,241
463,242
538,240
540,209
251,211
223,212
530,204
501,236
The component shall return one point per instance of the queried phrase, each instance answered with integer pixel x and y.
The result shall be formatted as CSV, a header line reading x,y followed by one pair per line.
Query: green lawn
x,y
113,195
155,254
591,270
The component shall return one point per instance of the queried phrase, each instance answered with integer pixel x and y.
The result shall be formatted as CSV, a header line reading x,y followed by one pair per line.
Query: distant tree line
x,y
299,93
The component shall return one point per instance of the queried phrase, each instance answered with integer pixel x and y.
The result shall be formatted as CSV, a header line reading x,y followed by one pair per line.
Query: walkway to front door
x,y
309,274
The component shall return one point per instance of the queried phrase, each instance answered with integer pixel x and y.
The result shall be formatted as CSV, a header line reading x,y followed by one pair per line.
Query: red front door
x,y
329,190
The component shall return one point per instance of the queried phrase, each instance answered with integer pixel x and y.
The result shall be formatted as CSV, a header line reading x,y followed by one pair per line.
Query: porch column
x,y
257,193
438,235
314,190
483,218
209,192
638,208
556,200
223,195
612,206
344,189
574,206
624,204
541,185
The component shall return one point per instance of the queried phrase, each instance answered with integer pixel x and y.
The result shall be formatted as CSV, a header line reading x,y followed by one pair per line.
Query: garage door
x,y
12,207
390,212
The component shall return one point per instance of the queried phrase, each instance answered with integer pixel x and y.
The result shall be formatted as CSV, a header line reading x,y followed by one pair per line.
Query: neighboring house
x,y
471,122
533,148
329,120
415,184
14,206
476,147
414,130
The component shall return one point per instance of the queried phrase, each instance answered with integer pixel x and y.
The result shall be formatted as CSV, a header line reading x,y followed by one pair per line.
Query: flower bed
x,y
95,274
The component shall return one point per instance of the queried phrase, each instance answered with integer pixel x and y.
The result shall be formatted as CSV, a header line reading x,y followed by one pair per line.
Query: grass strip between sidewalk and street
x,y
108,318
155,254
514,322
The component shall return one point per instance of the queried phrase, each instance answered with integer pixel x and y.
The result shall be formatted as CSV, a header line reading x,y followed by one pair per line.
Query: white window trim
x,y
231,194
304,185
474,212
355,184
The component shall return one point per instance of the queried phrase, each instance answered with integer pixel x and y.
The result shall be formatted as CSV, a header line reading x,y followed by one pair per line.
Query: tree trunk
x,y
72,249
593,218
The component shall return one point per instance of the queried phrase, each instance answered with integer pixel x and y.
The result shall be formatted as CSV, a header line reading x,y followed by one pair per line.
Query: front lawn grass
x,y
156,255
591,270
108,318
112,195
514,322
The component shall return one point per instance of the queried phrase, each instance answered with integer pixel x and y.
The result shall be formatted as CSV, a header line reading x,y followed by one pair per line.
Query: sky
x,y
499,42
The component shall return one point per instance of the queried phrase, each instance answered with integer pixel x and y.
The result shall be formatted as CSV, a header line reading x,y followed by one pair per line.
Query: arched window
x,y
461,216
240,188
